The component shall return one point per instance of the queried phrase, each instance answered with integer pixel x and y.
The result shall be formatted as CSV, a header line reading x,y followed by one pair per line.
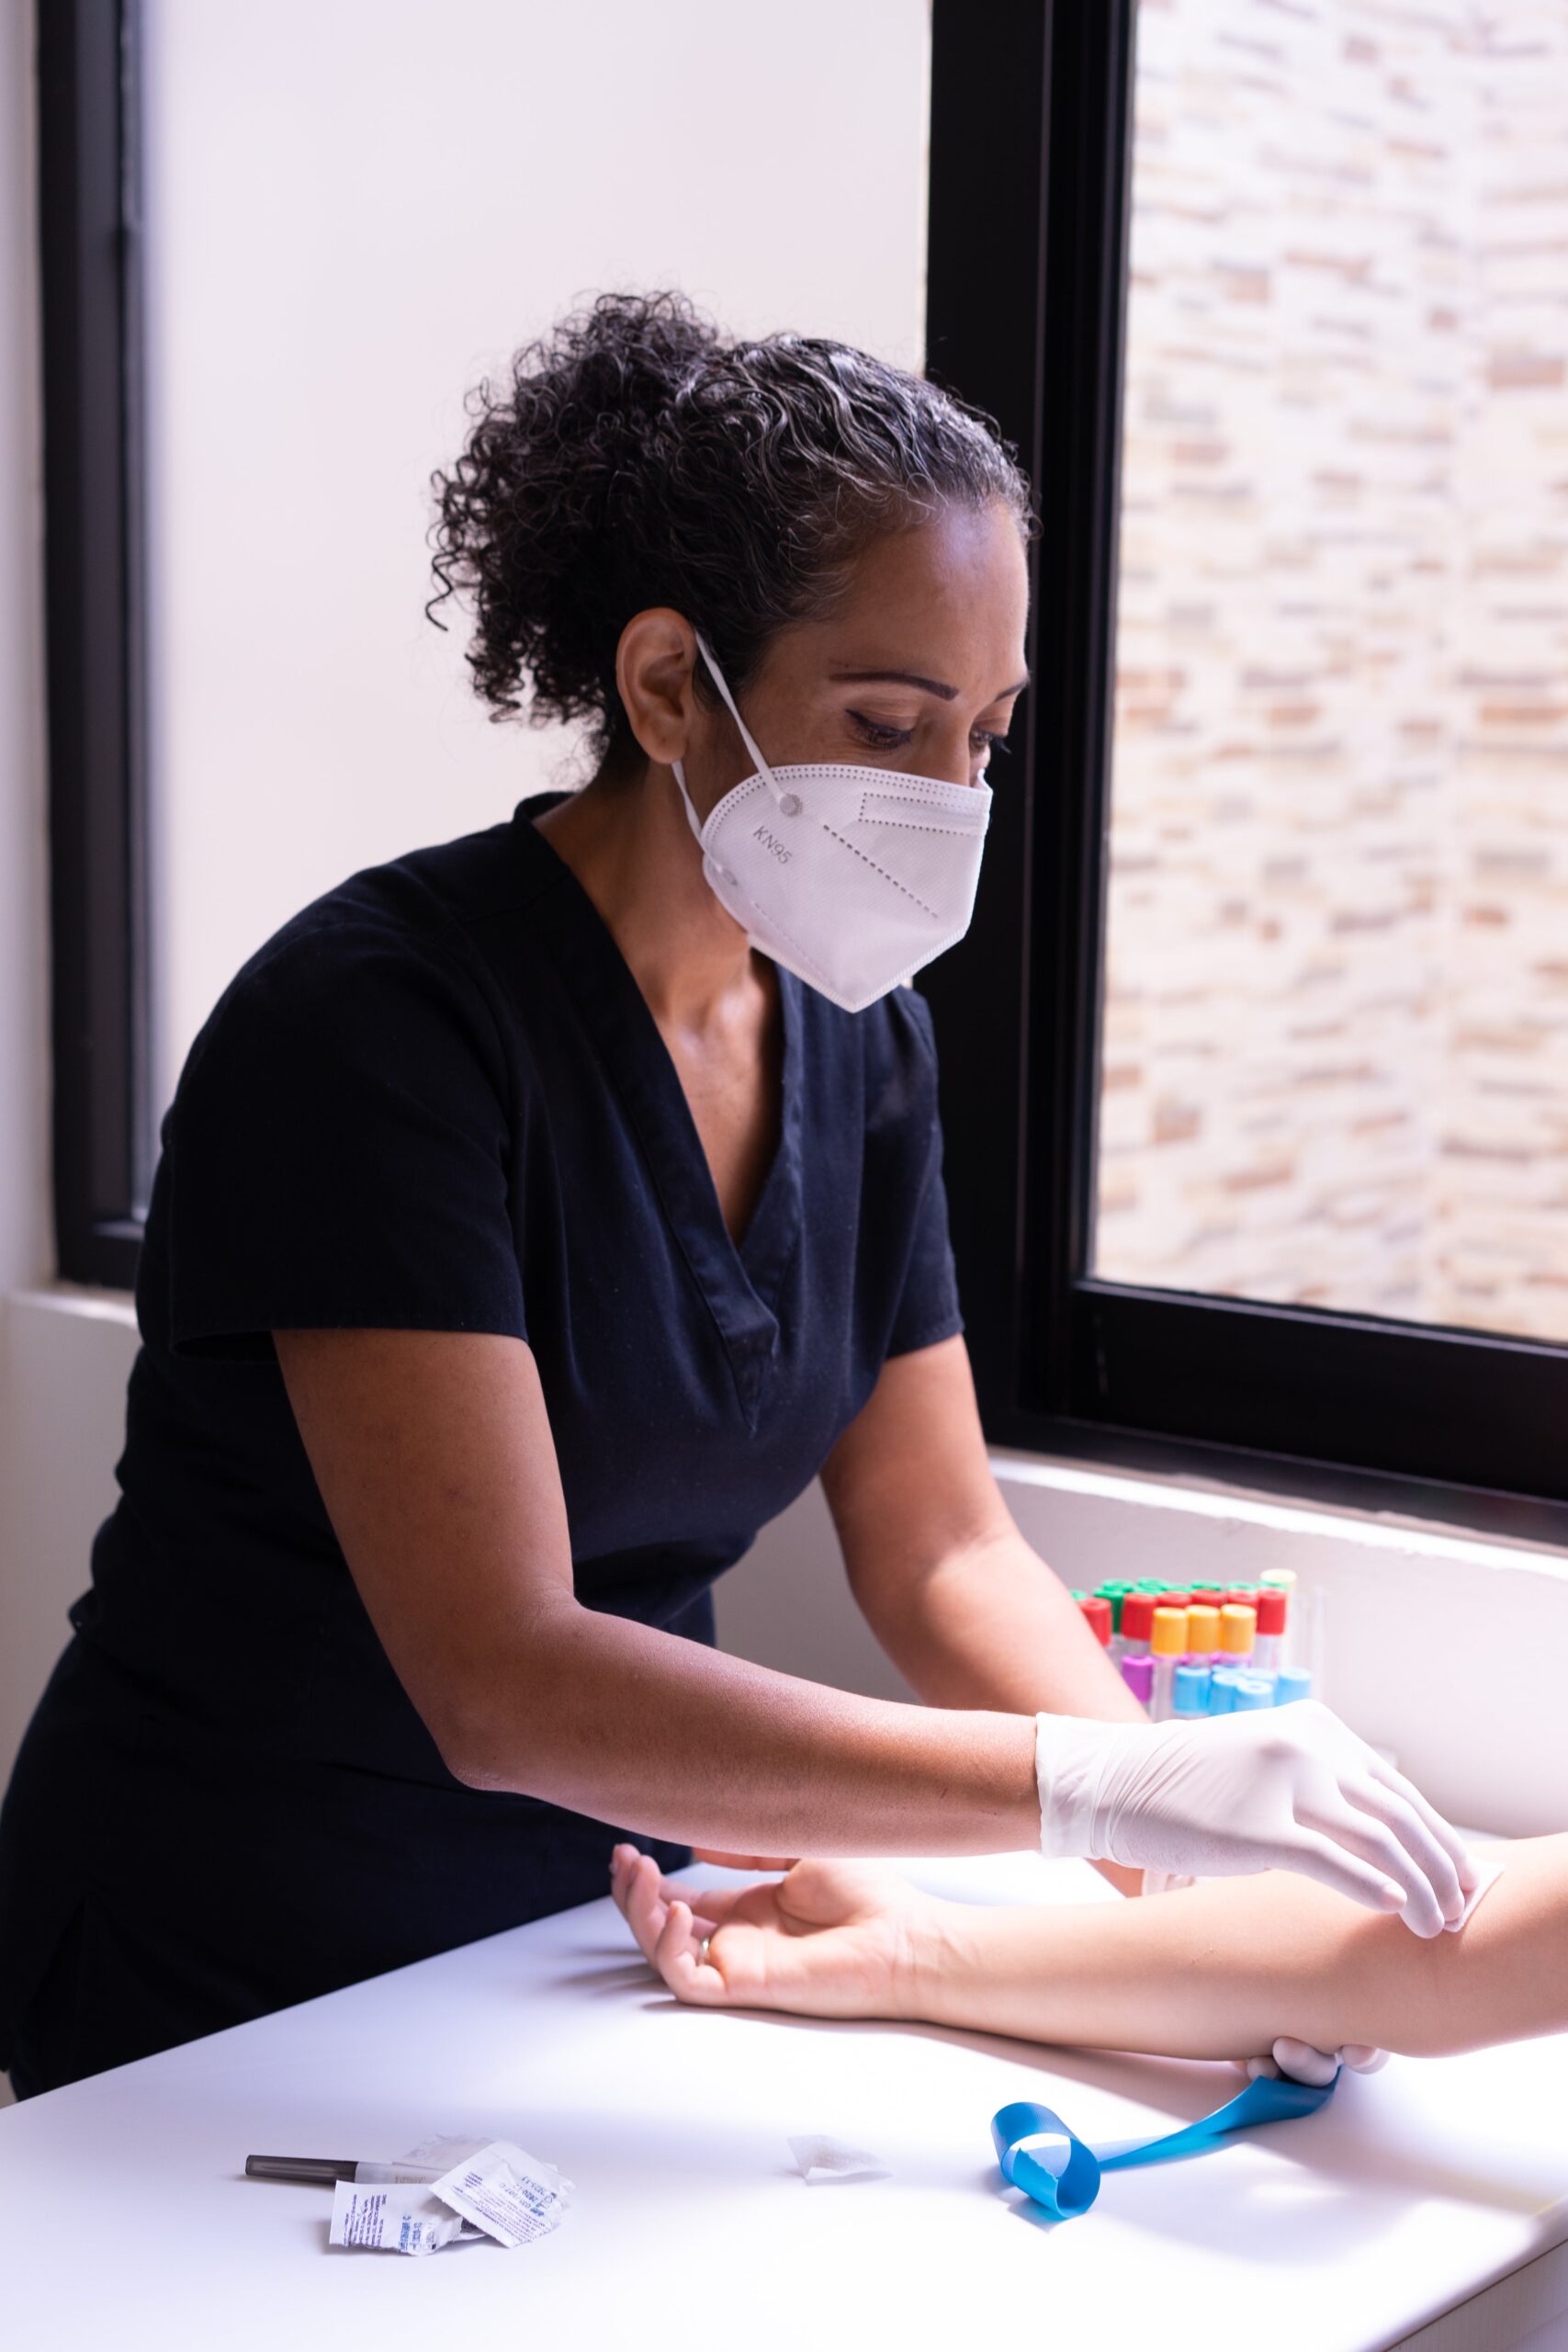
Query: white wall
x,y
356,208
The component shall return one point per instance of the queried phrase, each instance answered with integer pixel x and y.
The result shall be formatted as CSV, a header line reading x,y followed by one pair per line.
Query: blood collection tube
x,y
1222,1690
1189,1688
1254,1691
1138,1674
1242,1596
1203,1628
1170,1599
1269,1649
1097,1615
1116,1593
1284,1580
1137,1618
1238,1628
1168,1642
1292,1682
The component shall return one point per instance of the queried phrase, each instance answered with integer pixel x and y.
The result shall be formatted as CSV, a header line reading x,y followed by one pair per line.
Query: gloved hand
x,y
1291,1788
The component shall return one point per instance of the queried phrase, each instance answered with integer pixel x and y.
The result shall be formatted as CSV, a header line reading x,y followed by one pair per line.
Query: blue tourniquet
x,y
1061,2173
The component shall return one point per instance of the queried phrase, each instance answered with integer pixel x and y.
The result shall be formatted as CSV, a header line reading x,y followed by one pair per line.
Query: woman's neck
x,y
627,842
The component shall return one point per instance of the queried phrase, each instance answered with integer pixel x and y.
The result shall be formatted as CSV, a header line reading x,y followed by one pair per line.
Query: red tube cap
x,y
1137,1616
1097,1612
1271,1609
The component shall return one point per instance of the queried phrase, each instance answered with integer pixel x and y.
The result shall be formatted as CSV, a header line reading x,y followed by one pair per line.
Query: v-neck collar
x,y
740,1282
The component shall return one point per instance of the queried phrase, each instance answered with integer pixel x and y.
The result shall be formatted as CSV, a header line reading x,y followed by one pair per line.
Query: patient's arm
x,y
1217,1970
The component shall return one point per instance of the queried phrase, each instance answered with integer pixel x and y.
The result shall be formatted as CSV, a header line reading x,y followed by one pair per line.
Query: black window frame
x,y
94,603
1030,197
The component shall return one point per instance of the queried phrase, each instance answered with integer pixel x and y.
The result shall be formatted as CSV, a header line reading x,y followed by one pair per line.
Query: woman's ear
x,y
654,662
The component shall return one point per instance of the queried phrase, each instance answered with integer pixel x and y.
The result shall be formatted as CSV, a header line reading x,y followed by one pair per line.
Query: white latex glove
x,y
1288,1788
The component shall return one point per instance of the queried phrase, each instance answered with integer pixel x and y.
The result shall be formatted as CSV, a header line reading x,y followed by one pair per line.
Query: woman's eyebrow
x,y
910,678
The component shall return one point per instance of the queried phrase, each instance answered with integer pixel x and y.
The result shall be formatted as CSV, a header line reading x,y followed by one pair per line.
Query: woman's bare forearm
x,y
676,1740
1223,1968
992,1625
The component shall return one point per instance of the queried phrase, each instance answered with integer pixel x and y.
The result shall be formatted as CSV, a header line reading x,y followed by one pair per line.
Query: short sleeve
x,y
927,1304
338,1149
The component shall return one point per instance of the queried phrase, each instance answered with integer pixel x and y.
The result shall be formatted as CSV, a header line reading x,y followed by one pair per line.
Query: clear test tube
x,y
1204,1629
1096,1611
1137,1621
1238,1630
1168,1642
1138,1674
1284,1580
1273,1613
1189,1688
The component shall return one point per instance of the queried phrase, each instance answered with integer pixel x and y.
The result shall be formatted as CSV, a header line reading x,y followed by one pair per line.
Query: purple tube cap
x,y
1138,1674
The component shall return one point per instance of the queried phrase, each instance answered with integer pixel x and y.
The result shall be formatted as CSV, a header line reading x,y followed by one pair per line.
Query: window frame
x,y
94,609
1029,214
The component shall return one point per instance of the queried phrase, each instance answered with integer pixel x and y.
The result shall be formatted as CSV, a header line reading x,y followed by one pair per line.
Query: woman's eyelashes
x,y
882,738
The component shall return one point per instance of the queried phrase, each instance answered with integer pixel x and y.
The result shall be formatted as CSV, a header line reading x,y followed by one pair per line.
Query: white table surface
x,y
127,2223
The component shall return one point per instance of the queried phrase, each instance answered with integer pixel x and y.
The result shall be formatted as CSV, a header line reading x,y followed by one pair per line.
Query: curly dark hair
x,y
637,458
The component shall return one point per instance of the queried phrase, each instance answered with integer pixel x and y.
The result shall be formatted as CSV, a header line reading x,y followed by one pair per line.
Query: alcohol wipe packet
x,y
503,2191
386,2217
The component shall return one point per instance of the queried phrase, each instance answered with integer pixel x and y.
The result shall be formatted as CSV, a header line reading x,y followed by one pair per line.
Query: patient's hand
x,y
830,1939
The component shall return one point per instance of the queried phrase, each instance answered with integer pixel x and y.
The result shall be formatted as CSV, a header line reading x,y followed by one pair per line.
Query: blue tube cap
x,y
1292,1682
1222,1690
1254,1691
1190,1690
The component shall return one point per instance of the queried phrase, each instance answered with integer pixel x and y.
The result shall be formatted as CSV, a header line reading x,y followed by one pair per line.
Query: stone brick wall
x,y
1336,1027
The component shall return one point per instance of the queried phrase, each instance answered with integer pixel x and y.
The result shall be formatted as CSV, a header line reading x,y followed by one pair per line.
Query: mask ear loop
x,y
746,735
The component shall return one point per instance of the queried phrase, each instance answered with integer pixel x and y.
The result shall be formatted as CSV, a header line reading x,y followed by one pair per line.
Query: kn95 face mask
x,y
851,877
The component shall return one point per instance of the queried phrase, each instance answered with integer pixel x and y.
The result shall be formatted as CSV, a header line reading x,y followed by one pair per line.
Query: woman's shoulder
x,y
386,957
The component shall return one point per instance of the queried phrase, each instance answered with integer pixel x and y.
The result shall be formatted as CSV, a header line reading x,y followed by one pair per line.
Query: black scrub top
x,y
435,1100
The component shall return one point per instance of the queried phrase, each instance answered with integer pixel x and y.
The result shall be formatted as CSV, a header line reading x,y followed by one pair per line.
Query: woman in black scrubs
x,y
523,1238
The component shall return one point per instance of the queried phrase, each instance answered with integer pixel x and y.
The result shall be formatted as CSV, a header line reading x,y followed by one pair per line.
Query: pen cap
x,y
1138,1674
1097,1613
1168,1634
1272,1609
327,2170
1203,1627
1237,1626
1137,1616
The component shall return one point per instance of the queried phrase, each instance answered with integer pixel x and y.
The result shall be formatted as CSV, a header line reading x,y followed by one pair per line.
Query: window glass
x,y
1335,1047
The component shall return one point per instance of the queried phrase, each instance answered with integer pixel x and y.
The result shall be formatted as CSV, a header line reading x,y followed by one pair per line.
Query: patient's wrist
x,y
938,1981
